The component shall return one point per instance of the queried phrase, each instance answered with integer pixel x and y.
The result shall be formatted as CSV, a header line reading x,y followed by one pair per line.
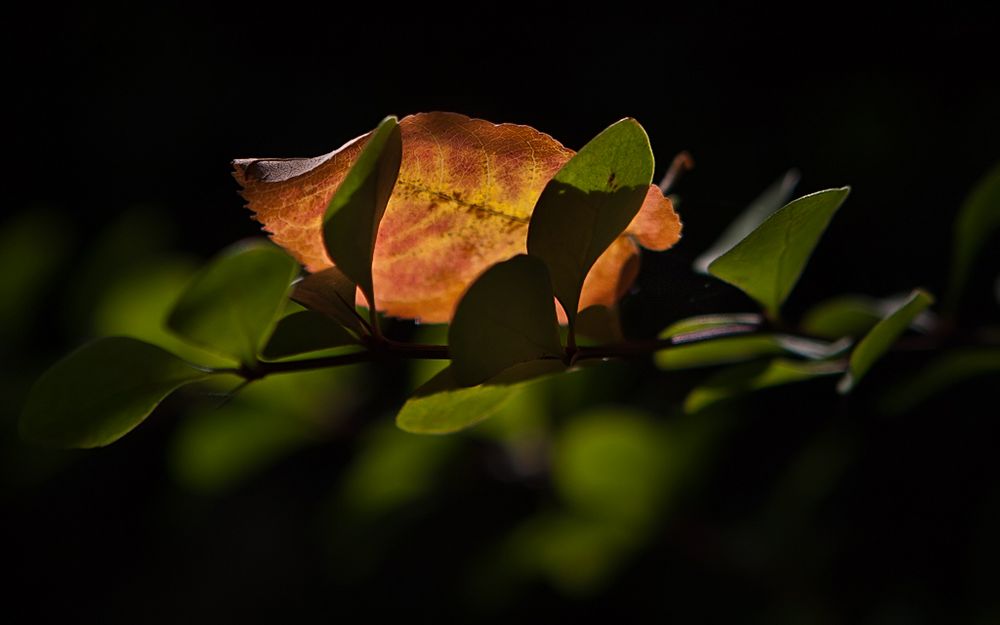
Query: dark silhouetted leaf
x,y
331,293
881,337
768,262
588,204
306,331
231,306
600,324
100,392
505,318
442,405
352,218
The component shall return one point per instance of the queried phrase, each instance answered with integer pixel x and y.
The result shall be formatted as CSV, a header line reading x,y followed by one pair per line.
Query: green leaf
x,y
847,315
507,316
745,378
355,211
331,293
442,405
732,349
773,198
768,262
977,220
231,306
100,392
881,337
306,331
707,324
944,372
588,203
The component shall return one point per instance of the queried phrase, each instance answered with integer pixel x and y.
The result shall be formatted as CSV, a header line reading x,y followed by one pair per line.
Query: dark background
x,y
118,108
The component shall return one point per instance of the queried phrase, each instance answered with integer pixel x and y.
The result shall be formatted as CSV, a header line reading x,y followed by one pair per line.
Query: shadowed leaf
x,y
100,392
745,378
303,332
731,349
881,338
588,204
231,306
507,317
331,293
768,262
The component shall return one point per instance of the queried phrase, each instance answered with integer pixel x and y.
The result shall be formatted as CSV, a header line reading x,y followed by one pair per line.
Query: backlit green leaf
x,y
100,392
881,337
847,315
749,377
355,211
588,203
768,262
506,317
442,405
231,306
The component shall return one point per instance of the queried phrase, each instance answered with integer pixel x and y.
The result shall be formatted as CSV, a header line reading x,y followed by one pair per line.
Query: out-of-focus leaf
x,y
732,349
32,245
773,198
942,373
330,293
847,315
355,211
393,469
232,305
706,324
458,175
100,392
768,262
506,317
881,337
745,378
977,221
219,447
303,332
442,405
588,204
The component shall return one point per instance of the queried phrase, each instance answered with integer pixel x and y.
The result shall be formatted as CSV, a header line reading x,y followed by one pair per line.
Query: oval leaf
x,y
303,332
977,220
746,378
231,306
588,204
732,349
507,317
100,392
352,218
465,194
881,338
768,262
442,405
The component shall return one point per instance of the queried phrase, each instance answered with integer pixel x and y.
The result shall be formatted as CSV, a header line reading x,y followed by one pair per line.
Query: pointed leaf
x,y
703,325
442,405
731,349
332,294
465,194
881,338
352,218
231,306
507,317
746,378
773,198
768,262
978,220
100,392
588,204
306,331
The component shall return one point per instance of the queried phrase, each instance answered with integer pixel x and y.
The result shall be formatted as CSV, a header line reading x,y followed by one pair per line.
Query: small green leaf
x,y
768,262
100,392
355,211
506,317
231,306
773,198
707,324
846,315
588,203
306,331
749,377
732,349
977,220
881,337
442,405
942,373
331,293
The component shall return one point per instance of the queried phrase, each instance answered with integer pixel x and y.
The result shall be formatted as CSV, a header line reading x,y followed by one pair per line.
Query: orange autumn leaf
x,y
462,202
